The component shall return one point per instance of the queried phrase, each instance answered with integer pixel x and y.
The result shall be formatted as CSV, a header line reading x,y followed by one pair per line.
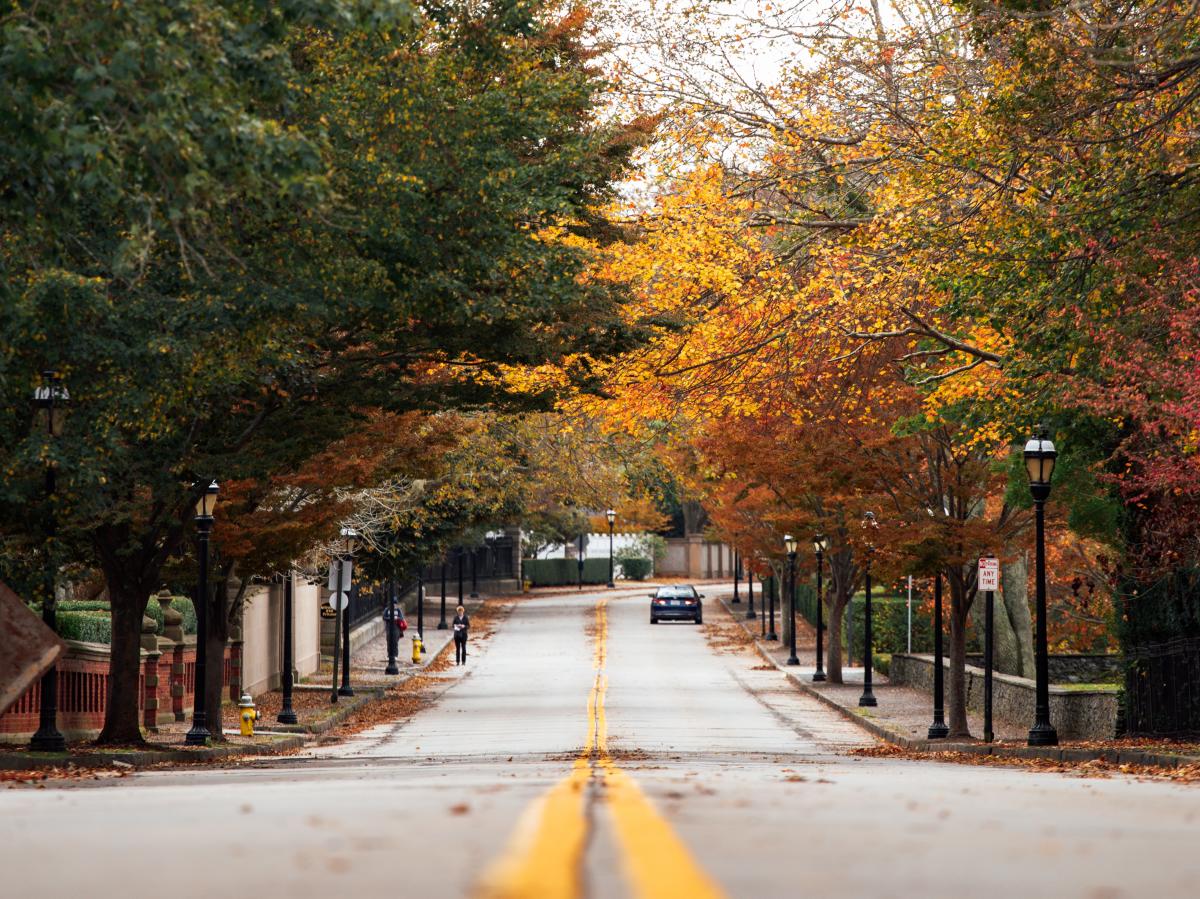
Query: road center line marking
x,y
545,855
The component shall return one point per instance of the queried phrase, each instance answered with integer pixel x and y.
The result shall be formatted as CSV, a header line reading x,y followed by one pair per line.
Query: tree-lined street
x,y
750,776
338,337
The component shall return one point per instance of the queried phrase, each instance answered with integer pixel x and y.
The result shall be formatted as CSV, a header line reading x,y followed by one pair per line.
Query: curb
x,y
11,761
1068,754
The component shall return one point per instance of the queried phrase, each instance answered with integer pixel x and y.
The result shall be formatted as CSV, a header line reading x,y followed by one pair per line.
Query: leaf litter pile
x,y
1099,768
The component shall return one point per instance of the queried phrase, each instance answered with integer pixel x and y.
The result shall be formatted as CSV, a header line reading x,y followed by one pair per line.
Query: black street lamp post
x,y
205,506
737,577
611,515
393,630
341,618
579,562
461,552
771,635
442,625
287,714
50,399
345,689
750,614
789,543
868,694
421,610
938,730
819,545
1040,456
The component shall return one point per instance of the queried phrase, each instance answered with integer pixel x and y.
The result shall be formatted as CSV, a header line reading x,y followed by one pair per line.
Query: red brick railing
x,y
166,689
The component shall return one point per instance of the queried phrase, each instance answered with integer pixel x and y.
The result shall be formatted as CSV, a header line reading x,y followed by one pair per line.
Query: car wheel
x,y
654,621
699,619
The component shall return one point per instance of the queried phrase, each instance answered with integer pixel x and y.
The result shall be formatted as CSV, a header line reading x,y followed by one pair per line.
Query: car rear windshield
x,y
676,593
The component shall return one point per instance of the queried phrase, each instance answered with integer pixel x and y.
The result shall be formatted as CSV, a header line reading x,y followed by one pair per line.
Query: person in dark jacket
x,y
461,624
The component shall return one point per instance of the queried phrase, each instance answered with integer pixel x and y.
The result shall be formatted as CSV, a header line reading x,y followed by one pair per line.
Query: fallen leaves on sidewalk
x,y
1097,768
68,772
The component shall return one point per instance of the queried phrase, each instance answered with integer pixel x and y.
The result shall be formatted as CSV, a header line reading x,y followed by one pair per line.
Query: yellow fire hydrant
x,y
249,715
416,650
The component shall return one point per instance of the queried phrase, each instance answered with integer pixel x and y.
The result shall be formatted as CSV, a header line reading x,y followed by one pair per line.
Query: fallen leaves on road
x,y
1095,768
727,637
461,809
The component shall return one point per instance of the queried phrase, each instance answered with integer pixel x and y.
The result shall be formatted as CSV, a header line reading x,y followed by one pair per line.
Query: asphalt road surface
x,y
582,752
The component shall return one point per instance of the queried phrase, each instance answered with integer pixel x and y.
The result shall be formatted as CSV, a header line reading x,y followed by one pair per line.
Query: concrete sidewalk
x,y
903,714
316,714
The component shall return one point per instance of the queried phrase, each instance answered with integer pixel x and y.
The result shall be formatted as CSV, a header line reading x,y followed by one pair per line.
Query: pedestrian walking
x,y
461,624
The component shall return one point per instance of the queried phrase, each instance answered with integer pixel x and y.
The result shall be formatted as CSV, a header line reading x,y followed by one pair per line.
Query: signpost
x,y
340,578
989,583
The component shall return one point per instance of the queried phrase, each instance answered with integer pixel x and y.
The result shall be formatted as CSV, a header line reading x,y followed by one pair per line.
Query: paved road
x,y
583,752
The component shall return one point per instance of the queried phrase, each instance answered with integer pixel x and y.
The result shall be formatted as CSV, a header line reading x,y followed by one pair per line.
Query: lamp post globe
x,y
820,543
206,507
611,515
1040,457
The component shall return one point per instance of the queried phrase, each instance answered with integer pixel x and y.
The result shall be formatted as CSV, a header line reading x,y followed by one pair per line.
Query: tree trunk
x,y
122,723
1016,608
957,694
213,679
833,634
220,608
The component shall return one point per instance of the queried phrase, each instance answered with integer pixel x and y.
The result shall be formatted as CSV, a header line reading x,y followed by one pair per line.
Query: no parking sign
x,y
989,573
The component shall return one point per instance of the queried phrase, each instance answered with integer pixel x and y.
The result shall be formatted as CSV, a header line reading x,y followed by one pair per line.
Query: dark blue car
x,y
679,603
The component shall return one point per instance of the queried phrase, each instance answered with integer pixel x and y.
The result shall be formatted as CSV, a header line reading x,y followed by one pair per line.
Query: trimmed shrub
x,y
77,605
636,569
889,622
90,627
563,572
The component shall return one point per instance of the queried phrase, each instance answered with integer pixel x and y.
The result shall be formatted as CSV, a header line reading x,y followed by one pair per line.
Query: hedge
x,y
636,569
94,607
562,572
90,627
889,622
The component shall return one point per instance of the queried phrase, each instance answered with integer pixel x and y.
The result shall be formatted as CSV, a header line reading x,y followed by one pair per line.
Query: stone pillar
x,y
514,531
695,557
172,617
150,674
235,662
177,687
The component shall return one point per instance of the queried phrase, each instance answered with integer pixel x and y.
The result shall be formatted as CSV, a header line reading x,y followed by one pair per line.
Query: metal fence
x,y
493,560
1162,687
366,604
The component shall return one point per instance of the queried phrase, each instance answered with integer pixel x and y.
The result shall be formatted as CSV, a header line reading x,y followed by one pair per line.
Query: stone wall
x,y
1081,668
262,634
1089,714
166,689
697,558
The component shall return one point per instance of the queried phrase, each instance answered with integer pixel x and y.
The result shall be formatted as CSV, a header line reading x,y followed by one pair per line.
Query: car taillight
x,y
690,602
659,602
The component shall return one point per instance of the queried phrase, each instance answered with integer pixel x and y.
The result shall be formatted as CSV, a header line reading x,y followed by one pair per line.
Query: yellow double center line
x,y
545,857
